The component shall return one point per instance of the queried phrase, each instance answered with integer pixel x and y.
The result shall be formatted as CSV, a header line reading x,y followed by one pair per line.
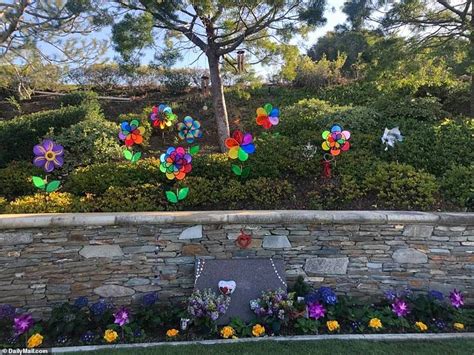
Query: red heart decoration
x,y
244,240
224,290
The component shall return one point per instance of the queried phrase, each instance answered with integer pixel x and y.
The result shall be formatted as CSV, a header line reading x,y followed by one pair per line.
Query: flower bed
x,y
277,312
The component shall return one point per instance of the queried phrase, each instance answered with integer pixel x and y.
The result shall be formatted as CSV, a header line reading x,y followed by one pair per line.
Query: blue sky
x,y
334,17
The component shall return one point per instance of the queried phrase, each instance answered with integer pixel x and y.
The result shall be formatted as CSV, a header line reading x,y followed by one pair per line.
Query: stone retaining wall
x,y
48,259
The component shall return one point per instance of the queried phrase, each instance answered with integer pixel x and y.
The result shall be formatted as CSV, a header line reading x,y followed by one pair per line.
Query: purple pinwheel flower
x,y
457,300
316,310
22,323
400,308
48,155
122,316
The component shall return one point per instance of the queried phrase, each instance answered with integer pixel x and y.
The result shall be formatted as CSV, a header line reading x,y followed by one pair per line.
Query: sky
x,y
333,14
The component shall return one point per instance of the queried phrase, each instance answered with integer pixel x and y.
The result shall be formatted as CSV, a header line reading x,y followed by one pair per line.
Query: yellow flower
x,y
110,335
458,326
172,333
421,326
35,340
227,332
375,323
332,325
258,330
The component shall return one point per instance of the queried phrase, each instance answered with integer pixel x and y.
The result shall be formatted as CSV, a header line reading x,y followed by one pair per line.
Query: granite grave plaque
x,y
251,276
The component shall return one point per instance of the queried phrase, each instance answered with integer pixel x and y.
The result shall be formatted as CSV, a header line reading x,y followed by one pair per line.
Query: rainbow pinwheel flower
x,y
131,133
336,140
240,145
189,129
162,116
48,155
176,163
267,116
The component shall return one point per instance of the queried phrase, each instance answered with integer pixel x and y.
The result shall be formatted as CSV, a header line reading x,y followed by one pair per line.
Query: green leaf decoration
x,y
237,170
53,186
194,150
135,123
136,157
39,182
183,193
171,196
245,172
127,154
268,108
242,155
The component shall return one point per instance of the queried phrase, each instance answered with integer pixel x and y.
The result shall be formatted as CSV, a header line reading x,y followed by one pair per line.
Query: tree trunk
x,y
218,100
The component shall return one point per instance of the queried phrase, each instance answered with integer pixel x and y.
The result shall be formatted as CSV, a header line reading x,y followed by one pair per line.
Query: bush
x,y
401,186
177,81
457,185
15,179
337,193
399,108
267,193
97,178
89,142
3,204
19,135
143,197
321,73
77,98
56,202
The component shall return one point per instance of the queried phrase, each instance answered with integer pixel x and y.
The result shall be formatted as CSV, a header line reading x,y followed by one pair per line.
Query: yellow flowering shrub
x,y
375,323
258,330
171,333
422,327
35,340
110,335
458,326
227,332
333,325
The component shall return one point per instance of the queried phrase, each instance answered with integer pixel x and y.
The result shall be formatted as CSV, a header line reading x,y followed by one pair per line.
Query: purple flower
x,y
390,295
440,324
316,310
88,337
7,311
81,302
149,299
22,323
48,155
400,308
327,295
122,316
457,300
98,308
436,295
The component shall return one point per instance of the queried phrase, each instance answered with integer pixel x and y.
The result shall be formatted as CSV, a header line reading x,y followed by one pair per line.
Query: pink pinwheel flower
x,y
400,308
22,323
316,310
457,300
122,316
48,155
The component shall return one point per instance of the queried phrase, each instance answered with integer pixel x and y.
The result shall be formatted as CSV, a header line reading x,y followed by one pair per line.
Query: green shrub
x,y
177,81
337,193
267,193
401,186
140,197
89,142
56,202
402,107
356,93
19,135
77,98
15,179
457,185
3,204
97,178
212,166
272,157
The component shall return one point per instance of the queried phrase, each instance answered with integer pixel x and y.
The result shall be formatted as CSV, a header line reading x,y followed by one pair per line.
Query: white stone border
x,y
16,221
371,337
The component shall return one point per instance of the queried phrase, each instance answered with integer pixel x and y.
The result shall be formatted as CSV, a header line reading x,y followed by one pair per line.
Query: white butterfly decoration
x,y
391,136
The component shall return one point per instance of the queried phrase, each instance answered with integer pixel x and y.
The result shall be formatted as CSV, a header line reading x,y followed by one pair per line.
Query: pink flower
x,y
457,300
22,323
400,308
121,317
316,310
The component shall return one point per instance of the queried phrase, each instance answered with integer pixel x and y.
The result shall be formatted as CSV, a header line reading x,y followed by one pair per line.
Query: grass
x,y
332,347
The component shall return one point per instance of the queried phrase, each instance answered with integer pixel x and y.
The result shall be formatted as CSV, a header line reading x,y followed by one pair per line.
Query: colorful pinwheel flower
x,y
267,116
162,116
240,145
336,140
189,129
48,155
176,163
131,133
